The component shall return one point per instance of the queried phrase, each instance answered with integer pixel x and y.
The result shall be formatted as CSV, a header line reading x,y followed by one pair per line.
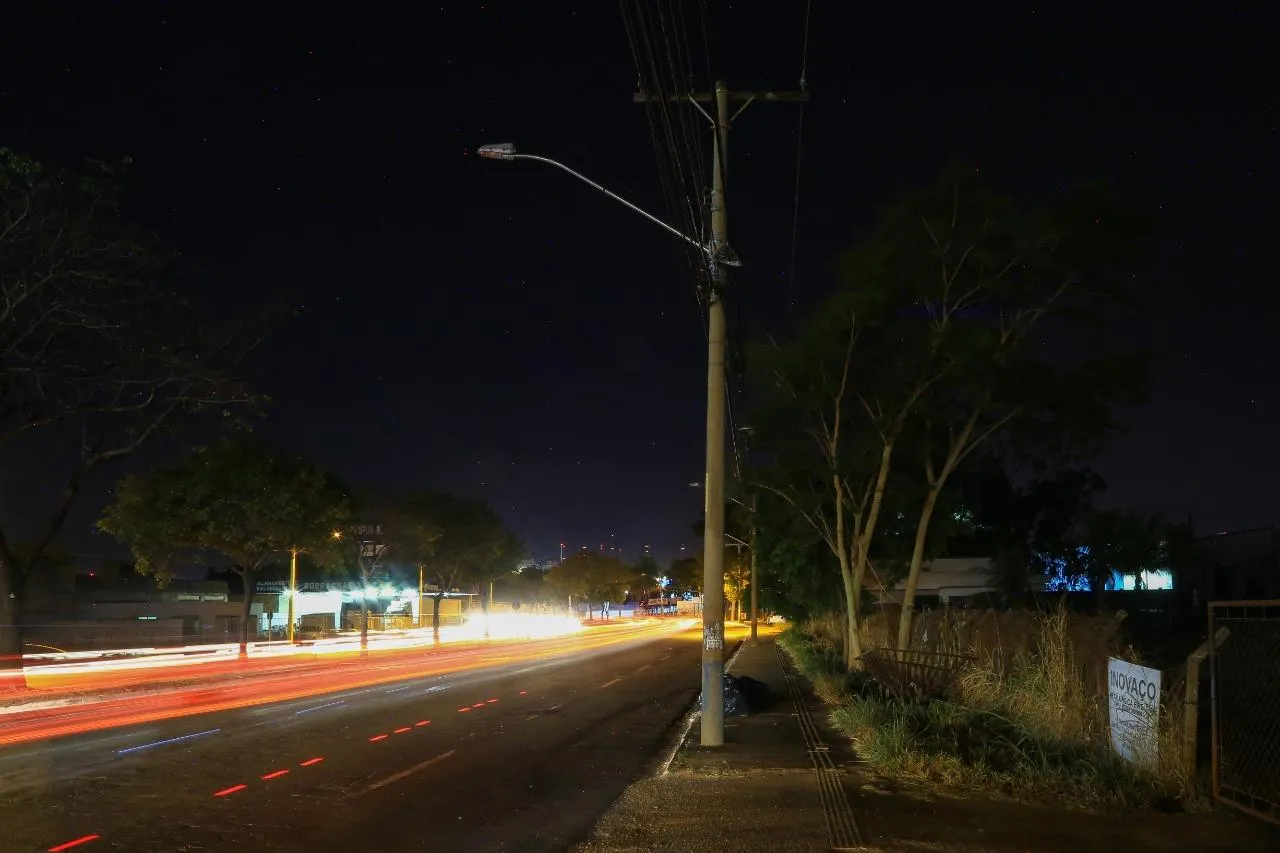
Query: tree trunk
x,y
959,446
484,604
435,616
851,649
855,563
245,607
917,564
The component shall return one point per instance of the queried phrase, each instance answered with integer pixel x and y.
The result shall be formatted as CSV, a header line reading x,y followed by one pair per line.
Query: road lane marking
x,y
609,683
643,668
550,710
664,657
166,741
84,839
398,689
403,774
311,761
318,707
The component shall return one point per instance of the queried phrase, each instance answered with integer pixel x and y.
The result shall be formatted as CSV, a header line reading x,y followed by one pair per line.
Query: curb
x,y
692,713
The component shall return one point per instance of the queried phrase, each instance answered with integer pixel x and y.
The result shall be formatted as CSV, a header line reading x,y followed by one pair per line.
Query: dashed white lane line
x,y
404,774
609,683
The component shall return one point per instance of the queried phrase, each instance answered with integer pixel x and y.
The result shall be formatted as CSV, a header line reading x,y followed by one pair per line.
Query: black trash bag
x,y
757,693
744,696
735,701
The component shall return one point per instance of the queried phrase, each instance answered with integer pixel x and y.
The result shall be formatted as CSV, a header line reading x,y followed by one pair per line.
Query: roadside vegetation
x,y
1027,716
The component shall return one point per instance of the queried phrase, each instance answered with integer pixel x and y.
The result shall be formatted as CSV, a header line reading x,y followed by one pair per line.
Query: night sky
x,y
499,330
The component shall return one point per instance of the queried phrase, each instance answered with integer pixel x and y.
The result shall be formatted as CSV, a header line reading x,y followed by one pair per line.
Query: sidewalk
x,y
785,781
758,792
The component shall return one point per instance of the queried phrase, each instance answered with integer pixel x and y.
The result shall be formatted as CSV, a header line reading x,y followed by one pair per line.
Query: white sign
x,y
1134,700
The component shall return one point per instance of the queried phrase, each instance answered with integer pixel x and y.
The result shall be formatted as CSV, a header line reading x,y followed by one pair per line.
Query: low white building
x,y
941,581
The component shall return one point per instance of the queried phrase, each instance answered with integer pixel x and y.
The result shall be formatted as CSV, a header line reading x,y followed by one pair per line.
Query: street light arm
x,y
611,194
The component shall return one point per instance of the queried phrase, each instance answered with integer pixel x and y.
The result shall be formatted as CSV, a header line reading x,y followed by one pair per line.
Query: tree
x,y
992,275
799,575
93,353
1123,542
385,531
838,398
685,576
737,564
241,499
472,543
504,558
1027,531
591,576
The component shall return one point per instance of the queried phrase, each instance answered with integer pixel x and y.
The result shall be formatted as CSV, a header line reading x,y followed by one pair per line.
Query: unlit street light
x,y
719,257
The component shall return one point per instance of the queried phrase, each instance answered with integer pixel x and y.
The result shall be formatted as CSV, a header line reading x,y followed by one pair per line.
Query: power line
x,y
795,204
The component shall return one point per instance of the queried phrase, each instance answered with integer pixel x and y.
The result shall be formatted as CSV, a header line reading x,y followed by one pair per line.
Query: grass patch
x,y
1028,725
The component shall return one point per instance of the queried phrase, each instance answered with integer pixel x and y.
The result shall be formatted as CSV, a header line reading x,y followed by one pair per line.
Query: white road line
x,y
609,683
643,668
318,707
403,774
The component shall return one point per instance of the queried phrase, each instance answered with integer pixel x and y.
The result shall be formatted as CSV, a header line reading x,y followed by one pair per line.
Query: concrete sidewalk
x,y
786,781
762,791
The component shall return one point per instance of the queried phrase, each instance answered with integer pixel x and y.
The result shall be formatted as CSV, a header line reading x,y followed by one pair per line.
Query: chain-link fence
x,y
1245,671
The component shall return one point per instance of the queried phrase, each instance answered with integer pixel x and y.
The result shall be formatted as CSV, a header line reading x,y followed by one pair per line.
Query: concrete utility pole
x,y
293,587
755,600
721,259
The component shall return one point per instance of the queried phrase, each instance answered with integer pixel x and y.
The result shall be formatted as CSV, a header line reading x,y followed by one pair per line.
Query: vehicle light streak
x,y
402,730
275,775
84,839
166,741
377,738
311,761
226,792
423,723
299,679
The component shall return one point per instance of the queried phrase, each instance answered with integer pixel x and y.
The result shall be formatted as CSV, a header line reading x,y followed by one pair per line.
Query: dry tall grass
x,y
1043,673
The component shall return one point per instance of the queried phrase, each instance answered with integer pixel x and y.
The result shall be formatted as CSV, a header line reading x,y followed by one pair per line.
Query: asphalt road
x,y
522,757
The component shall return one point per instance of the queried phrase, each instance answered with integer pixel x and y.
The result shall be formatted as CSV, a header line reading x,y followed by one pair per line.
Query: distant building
x,y
949,580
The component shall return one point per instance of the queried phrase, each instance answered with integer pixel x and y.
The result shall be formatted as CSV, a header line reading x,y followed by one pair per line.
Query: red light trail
x,y
286,681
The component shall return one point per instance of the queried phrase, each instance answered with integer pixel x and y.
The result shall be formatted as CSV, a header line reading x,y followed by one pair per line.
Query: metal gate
x,y
1245,673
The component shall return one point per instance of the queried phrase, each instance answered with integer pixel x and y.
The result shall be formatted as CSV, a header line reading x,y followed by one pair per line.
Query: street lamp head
x,y
498,151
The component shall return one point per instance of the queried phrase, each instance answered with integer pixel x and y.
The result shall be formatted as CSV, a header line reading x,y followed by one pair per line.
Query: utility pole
x,y
293,587
721,260
755,600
